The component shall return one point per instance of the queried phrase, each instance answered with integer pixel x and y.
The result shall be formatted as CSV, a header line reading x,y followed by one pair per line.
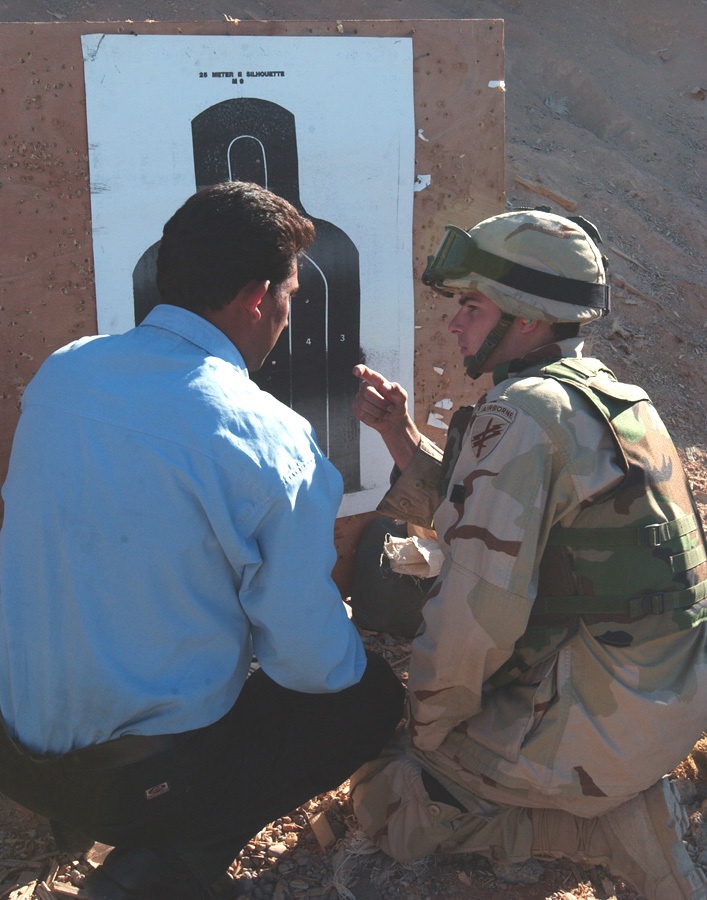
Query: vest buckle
x,y
647,605
651,535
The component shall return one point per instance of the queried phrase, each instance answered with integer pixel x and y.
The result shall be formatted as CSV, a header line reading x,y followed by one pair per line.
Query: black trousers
x,y
205,795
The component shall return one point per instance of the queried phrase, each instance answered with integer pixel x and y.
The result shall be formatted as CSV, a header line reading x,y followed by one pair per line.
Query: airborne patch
x,y
491,422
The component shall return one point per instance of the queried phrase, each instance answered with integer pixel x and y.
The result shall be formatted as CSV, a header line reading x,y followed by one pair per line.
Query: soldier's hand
x,y
379,403
383,405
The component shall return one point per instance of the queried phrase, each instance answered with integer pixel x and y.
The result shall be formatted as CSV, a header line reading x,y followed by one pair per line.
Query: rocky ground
x,y
605,116
318,851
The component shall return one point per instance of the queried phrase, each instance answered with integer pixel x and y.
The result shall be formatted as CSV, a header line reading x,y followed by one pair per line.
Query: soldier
x,y
561,668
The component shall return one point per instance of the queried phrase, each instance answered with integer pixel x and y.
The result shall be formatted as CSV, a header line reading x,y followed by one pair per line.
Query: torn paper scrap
x,y
413,556
436,421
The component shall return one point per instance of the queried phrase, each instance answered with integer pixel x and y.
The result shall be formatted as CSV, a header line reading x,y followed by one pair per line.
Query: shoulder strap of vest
x,y
455,434
593,378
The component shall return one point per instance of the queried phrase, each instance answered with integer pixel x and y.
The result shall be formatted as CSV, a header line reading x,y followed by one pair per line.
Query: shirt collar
x,y
569,347
195,329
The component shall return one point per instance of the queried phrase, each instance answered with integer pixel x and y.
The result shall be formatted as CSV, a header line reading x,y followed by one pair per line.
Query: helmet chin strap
x,y
474,363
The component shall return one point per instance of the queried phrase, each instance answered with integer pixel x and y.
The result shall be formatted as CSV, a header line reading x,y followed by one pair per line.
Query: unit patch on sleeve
x,y
491,422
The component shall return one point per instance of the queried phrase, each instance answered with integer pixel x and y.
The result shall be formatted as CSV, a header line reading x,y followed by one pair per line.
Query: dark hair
x,y
225,236
563,330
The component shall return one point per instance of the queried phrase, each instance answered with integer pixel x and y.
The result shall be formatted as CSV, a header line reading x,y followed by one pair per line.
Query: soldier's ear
x,y
528,325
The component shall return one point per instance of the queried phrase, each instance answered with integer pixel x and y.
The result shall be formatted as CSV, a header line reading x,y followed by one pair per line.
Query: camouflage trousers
x,y
396,812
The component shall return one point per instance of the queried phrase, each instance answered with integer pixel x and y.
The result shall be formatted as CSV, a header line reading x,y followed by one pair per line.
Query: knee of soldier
x,y
396,812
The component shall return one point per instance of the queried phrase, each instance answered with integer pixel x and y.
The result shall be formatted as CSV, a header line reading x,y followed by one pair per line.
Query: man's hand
x,y
382,405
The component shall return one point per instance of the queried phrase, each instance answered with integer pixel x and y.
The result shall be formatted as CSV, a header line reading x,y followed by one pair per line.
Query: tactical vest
x,y
637,551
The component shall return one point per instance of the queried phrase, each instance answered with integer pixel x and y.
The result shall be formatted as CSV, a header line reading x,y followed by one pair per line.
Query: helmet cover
x,y
530,263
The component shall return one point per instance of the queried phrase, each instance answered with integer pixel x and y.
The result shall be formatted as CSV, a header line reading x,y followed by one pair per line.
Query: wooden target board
x,y
47,288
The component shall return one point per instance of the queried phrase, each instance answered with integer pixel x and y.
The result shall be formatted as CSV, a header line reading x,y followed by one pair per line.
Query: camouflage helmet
x,y
530,263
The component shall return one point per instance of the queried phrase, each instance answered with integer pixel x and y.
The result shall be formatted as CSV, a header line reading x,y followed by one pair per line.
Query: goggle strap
x,y
514,275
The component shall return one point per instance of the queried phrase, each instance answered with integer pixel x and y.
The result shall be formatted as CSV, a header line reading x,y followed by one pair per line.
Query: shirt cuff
x,y
414,495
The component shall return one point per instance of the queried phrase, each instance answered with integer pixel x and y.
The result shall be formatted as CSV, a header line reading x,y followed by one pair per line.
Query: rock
x,y
528,872
364,889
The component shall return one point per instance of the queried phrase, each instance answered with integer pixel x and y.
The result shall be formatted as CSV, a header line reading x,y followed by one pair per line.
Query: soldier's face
x,y
475,318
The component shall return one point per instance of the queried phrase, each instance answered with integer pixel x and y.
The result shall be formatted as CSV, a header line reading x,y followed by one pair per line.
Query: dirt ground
x,y
605,109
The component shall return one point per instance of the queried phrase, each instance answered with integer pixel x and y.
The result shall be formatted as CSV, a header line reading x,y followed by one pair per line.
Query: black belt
x,y
123,751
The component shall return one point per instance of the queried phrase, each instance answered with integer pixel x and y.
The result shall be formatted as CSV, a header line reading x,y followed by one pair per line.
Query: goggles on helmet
x,y
459,255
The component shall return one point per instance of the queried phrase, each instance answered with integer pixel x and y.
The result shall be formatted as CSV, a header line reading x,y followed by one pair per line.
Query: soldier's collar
x,y
543,356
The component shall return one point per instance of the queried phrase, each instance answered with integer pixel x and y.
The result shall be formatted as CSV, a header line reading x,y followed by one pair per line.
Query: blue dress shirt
x,y
164,519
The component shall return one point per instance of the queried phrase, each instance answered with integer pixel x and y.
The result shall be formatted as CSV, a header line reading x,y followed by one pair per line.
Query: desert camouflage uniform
x,y
581,698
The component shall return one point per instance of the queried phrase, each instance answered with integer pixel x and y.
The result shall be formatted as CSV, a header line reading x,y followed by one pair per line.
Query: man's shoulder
x,y
242,398
66,364
257,424
78,350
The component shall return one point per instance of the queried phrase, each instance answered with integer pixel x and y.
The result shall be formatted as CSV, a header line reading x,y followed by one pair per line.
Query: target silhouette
x,y
249,139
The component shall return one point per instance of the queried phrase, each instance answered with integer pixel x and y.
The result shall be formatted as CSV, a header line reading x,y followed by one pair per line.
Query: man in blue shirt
x,y
166,520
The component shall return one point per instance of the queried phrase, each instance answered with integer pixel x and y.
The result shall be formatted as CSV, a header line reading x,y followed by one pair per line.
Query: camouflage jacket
x,y
557,705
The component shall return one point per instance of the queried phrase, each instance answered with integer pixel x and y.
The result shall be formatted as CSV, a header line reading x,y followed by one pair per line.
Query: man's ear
x,y
250,297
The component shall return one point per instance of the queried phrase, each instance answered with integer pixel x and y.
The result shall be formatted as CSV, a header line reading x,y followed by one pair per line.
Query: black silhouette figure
x,y
249,139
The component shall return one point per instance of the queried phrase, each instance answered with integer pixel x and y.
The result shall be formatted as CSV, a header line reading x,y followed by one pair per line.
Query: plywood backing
x,y
47,295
